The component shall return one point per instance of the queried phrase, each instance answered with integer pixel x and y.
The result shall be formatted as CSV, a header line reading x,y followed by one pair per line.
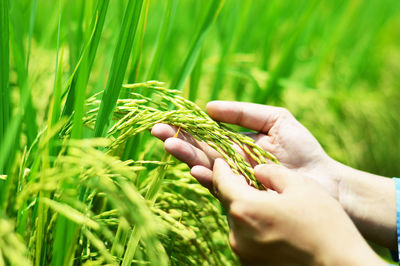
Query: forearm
x,y
370,201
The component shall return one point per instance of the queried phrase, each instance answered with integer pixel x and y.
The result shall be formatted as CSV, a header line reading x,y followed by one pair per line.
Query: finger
x,y
203,175
187,153
275,177
249,115
227,185
164,131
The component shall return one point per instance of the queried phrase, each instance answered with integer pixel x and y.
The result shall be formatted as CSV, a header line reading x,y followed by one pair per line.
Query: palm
x,y
291,143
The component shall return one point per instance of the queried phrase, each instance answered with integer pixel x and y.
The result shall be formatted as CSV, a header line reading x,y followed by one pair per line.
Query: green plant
x,y
332,65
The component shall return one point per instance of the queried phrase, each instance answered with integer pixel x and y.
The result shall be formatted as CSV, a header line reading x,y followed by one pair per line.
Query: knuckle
x,y
285,113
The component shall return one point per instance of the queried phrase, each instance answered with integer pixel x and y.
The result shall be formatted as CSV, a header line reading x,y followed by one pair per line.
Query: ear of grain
x,y
169,107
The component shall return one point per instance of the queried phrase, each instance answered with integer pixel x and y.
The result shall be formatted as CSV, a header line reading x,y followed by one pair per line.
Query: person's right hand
x,y
293,222
278,133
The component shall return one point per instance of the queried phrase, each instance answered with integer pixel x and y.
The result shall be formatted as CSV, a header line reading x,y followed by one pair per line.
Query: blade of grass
x,y
83,78
16,37
165,28
65,230
272,90
345,17
5,101
42,210
135,144
32,20
138,44
119,64
84,72
227,29
75,32
190,60
195,77
55,108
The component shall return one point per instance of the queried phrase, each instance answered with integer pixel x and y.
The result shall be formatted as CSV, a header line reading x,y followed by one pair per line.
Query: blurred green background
x,y
333,64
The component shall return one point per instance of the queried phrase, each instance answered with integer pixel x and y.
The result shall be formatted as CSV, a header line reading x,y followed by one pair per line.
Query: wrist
x,y
369,200
358,254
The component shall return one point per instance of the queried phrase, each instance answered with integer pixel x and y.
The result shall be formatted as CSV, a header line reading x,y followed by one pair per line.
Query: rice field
x,y
83,182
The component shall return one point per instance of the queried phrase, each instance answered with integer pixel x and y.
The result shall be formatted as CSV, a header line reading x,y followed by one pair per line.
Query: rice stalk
x,y
142,113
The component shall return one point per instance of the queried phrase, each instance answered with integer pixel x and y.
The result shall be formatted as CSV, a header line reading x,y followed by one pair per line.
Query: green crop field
x,y
82,181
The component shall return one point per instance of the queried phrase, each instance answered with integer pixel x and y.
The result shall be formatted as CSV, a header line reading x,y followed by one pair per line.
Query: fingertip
x,y
260,168
272,176
162,131
220,165
203,175
171,144
218,162
211,105
214,107
157,129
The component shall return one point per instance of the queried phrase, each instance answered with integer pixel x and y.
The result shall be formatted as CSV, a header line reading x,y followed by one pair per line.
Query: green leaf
x,y
77,91
118,67
190,60
5,101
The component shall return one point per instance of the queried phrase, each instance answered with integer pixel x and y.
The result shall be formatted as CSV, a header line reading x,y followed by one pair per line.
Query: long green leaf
x,y
138,44
5,104
273,90
118,66
84,71
17,33
80,79
187,67
163,34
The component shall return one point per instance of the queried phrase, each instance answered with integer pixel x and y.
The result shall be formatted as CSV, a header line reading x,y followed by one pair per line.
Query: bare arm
x,y
370,200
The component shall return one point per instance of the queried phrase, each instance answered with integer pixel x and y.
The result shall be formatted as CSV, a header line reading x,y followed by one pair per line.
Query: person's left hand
x,y
294,222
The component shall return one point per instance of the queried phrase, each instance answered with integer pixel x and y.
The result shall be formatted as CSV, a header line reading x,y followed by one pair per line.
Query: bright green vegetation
x,y
81,179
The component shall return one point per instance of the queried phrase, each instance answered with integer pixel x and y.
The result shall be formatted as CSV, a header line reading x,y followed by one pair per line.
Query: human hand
x,y
294,222
278,132
368,199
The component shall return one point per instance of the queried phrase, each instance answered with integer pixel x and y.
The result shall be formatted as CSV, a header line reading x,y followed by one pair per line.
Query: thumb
x,y
273,176
227,185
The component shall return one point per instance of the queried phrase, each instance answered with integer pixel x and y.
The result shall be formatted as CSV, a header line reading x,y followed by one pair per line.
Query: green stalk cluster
x,y
167,106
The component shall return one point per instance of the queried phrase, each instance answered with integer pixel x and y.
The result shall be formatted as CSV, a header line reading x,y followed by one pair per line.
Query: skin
x,y
368,199
291,223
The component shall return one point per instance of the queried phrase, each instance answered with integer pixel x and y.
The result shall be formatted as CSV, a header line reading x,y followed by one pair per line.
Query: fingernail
x,y
259,166
218,163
